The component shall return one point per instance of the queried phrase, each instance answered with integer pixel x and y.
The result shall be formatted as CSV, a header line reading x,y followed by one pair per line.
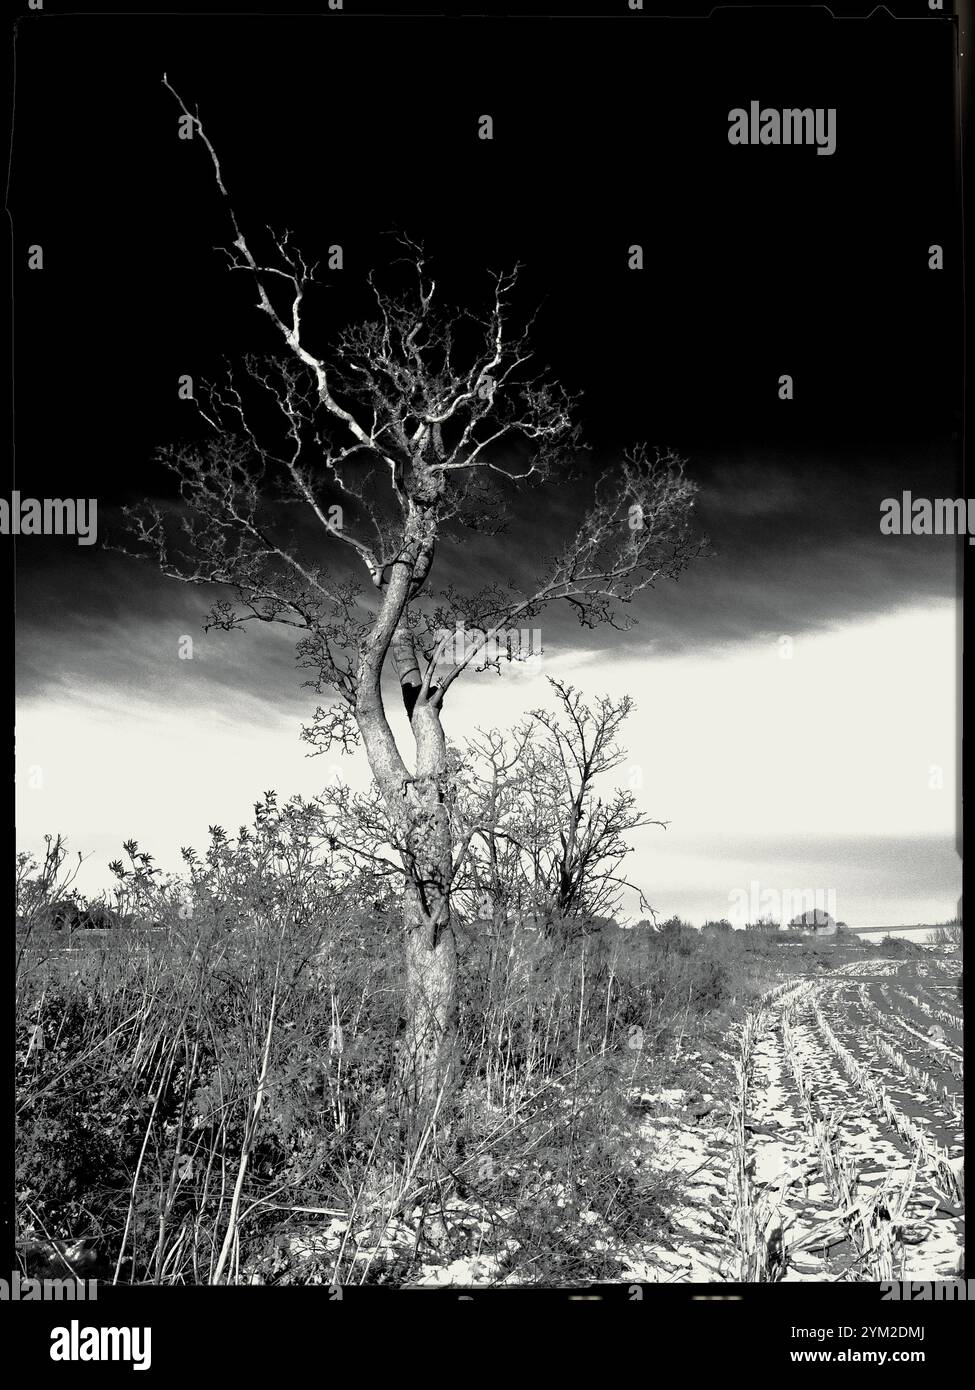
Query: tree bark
x,y
418,808
429,1050
428,1058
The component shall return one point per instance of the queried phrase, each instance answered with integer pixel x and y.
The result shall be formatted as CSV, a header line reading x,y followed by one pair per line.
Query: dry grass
x,y
211,1096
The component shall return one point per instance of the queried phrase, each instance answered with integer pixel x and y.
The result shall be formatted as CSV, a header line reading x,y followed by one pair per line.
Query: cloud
x,y
813,770
820,760
865,880
796,548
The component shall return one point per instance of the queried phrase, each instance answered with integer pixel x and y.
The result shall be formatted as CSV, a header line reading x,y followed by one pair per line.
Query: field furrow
x,y
851,1147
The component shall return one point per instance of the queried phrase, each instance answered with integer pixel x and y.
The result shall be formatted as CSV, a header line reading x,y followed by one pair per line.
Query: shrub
x,y
248,1042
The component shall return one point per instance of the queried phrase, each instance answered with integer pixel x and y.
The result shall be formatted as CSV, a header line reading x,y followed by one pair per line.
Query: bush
x,y
253,1039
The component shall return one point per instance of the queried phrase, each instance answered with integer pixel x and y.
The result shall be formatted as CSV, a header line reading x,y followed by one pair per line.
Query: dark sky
x,y
758,262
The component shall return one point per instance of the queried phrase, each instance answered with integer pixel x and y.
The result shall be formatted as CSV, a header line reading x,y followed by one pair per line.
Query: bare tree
x,y
384,441
549,840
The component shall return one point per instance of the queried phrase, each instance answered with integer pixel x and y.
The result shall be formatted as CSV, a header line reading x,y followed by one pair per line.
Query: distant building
x,y
817,922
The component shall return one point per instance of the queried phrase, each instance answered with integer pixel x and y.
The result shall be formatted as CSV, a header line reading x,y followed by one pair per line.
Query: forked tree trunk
x,y
418,808
416,805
